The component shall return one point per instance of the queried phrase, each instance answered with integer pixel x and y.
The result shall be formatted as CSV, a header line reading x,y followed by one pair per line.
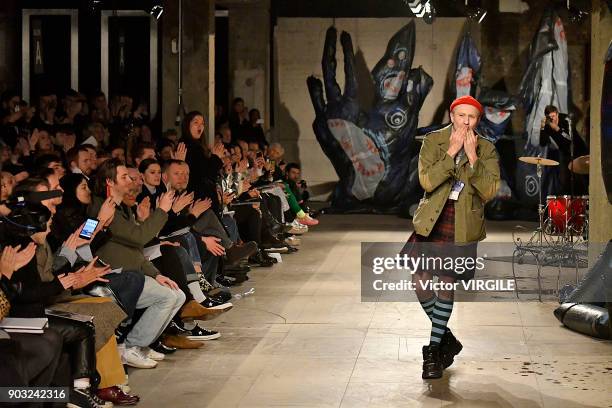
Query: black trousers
x,y
274,205
30,359
172,265
249,223
80,344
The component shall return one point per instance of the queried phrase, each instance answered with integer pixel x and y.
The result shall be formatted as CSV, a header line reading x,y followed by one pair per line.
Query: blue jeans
x,y
161,304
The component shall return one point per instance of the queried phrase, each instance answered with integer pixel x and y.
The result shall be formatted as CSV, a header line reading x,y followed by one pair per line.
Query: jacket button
x,y
431,219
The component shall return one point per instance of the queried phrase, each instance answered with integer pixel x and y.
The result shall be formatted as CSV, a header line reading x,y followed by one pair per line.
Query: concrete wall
x,y
298,49
249,54
198,25
600,210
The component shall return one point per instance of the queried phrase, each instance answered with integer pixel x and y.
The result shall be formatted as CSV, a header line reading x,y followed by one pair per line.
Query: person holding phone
x,y
161,297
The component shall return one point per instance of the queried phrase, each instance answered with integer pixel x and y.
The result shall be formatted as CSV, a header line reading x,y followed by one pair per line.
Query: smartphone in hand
x,y
89,228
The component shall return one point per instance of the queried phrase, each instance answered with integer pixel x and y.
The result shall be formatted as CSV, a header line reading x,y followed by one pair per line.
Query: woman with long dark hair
x,y
204,165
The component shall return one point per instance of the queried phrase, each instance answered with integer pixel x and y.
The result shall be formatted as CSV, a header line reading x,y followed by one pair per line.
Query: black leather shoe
x,y
267,257
259,260
219,296
162,348
230,269
449,348
432,366
226,281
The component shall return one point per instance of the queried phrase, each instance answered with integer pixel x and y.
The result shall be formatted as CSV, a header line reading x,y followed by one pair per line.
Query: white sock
x,y
196,292
81,383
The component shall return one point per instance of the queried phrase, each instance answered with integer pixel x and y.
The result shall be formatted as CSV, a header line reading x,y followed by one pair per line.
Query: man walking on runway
x,y
459,172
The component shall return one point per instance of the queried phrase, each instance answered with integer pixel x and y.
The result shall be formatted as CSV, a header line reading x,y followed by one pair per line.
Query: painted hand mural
x,y
373,151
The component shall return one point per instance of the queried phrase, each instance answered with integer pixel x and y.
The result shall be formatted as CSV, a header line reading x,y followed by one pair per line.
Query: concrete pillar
x,y
600,210
249,54
198,67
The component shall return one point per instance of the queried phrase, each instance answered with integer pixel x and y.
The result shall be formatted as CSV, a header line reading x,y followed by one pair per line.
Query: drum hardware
x,y
552,243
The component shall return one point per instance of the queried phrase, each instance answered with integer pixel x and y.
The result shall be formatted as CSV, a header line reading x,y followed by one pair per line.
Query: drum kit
x,y
562,227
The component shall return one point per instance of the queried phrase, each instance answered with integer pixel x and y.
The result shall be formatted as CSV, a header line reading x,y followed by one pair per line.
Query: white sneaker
x,y
121,350
297,228
153,355
134,357
293,241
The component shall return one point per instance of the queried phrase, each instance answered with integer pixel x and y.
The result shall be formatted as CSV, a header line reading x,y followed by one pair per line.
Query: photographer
x,y
28,228
555,133
293,176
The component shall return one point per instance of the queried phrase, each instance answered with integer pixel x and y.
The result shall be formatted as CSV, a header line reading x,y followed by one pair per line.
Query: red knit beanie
x,y
467,100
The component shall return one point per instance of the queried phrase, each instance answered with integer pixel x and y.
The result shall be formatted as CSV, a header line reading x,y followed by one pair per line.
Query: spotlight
x,y
94,5
430,13
476,13
157,9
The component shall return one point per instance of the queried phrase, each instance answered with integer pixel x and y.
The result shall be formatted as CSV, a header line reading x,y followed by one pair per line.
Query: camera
x,y
26,218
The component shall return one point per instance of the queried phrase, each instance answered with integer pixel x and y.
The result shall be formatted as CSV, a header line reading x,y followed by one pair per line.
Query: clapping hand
x,y
182,201
165,201
200,206
143,210
181,152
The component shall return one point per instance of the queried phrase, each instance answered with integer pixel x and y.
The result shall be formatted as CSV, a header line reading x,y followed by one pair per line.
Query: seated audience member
x,y
32,294
293,178
65,138
145,150
26,360
226,135
151,175
51,161
203,221
254,132
238,119
79,161
118,152
107,314
160,296
72,214
93,157
171,263
98,132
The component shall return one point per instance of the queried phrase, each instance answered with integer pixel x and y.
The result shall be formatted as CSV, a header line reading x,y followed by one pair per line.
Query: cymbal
x,y
580,165
538,160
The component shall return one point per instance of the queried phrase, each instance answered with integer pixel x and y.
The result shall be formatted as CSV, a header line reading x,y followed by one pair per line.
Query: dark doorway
x,y
49,54
129,57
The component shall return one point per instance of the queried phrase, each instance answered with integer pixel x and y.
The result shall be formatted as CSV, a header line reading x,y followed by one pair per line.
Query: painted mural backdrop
x,y
372,149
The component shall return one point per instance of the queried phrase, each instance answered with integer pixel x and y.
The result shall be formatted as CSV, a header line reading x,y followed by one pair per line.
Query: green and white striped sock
x,y
439,320
428,305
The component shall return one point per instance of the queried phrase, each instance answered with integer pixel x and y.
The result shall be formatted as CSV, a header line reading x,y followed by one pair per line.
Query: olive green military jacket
x,y
437,173
125,247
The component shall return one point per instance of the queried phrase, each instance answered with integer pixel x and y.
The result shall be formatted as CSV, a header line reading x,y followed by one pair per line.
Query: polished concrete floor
x,y
304,338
